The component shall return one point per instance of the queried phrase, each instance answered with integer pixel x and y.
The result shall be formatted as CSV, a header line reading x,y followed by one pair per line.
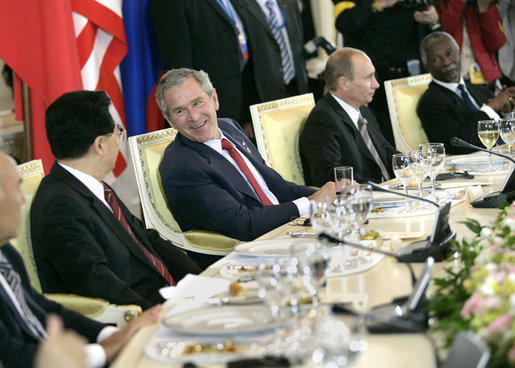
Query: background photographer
x,y
476,26
389,32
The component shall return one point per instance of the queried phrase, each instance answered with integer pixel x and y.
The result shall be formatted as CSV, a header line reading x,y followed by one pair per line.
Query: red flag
x,y
38,42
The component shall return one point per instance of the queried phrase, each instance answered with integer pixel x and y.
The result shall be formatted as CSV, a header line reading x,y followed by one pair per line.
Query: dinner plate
x,y
387,200
275,247
250,296
474,163
225,320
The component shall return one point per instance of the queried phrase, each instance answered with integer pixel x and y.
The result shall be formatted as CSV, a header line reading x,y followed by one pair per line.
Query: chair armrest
x,y
98,309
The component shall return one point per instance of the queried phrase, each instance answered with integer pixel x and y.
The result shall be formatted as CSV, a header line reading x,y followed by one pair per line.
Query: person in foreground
x,y
204,185
341,130
85,240
23,311
451,107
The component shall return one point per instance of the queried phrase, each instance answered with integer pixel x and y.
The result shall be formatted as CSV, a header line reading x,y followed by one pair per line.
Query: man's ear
x,y
169,121
342,82
98,145
215,99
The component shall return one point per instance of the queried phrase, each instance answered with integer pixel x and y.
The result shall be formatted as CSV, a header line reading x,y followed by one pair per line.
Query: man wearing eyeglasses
x,y
85,240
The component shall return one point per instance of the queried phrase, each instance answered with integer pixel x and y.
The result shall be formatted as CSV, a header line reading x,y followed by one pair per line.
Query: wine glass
x,y
507,131
416,165
488,132
434,159
360,204
401,169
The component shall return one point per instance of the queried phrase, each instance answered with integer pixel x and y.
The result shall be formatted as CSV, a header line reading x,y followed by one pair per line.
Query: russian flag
x,y
140,69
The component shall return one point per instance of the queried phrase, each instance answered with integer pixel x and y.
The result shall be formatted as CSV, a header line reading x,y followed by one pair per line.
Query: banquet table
x,y
378,285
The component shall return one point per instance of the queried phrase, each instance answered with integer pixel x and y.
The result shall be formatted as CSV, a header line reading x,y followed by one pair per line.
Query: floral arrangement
x,y
479,295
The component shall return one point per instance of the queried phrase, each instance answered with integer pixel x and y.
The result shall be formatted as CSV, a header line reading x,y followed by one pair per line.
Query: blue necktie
x,y
286,60
465,96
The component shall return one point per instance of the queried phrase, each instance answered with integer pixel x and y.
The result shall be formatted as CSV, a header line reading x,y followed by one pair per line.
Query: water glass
x,y
507,131
343,175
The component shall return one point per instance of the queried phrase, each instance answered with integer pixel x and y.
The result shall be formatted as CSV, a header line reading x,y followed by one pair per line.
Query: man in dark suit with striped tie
x,y
23,311
85,240
451,107
341,130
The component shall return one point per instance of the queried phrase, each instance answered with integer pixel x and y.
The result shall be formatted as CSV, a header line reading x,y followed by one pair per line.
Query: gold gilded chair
x,y
147,152
277,125
402,96
98,309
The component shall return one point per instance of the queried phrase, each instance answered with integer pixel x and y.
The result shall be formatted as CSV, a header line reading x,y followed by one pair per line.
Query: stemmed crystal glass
x,y
416,165
488,132
360,204
507,131
401,168
320,215
434,159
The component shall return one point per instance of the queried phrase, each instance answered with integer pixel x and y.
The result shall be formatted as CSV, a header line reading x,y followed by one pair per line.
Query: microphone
x,y
458,142
435,245
495,199
311,46
405,314
401,259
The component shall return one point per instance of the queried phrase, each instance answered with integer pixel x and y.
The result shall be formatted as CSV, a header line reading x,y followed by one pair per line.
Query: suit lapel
x,y
110,220
221,165
255,11
217,8
362,146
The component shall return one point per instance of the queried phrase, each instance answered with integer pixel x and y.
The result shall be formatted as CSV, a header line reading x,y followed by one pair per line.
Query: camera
x,y
418,4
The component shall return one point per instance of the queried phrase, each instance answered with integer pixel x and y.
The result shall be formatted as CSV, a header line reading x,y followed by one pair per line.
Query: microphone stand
x,y
390,317
495,199
433,246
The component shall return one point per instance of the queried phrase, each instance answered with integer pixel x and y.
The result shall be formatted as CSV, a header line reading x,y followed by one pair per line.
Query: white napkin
x,y
197,287
474,193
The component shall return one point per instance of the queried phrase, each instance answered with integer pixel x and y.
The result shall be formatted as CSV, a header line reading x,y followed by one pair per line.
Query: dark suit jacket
x,y
199,34
205,191
265,53
330,139
445,115
81,248
17,345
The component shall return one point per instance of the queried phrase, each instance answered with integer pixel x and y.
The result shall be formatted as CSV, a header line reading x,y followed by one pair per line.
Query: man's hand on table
x,y
328,189
114,343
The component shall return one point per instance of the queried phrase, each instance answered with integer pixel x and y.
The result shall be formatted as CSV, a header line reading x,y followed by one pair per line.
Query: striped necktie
x,y
362,126
13,279
226,145
111,199
286,60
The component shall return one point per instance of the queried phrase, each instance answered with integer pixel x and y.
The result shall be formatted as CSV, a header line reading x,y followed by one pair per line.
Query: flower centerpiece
x,y
479,295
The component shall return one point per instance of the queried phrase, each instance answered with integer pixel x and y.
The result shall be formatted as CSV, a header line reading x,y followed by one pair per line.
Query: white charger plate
x,y
223,321
275,247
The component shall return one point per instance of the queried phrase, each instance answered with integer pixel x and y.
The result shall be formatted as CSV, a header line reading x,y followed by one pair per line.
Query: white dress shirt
x,y
216,144
454,87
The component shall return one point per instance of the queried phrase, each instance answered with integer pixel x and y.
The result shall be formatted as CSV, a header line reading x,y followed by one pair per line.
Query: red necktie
x,y
226,145
111,199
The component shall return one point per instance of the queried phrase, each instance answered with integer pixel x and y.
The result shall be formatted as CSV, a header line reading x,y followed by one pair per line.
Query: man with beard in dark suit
x,y
85,240
341,130
451,107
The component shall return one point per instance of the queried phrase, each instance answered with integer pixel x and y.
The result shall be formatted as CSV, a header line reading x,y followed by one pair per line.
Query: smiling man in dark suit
x,y
85,240
205,182
451,107
341,130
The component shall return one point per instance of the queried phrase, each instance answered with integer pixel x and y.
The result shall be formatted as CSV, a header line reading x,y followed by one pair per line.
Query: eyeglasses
x,y
120,132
